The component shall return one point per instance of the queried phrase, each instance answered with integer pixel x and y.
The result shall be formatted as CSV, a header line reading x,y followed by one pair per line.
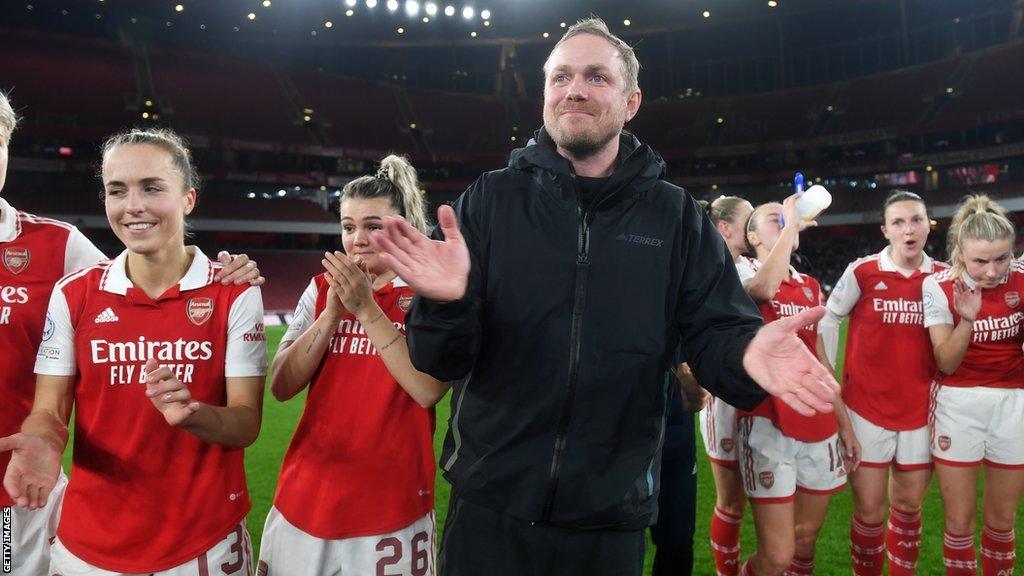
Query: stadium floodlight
x,y
449,10
430,8
349,12
392,5
485,14
351,3
468,12
412,8
281,193
371,3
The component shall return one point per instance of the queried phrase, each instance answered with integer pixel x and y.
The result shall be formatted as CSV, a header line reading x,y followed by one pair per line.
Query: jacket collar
x,y
638,167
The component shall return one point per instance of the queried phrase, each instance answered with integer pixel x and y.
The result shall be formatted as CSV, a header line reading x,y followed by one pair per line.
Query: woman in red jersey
x,y
718,419
791,464
164,369
973,313
355,494
887,376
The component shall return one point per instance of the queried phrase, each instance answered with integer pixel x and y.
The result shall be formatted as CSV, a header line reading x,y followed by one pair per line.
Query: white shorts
x,y
718,427
32,531
232,556
972,425
881,447
775,466
288,551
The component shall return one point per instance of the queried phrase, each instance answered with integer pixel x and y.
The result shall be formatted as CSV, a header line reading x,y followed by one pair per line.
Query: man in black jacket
x,y
557,298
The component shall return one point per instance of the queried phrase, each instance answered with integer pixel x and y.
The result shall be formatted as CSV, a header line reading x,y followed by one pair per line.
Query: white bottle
x,y
813,202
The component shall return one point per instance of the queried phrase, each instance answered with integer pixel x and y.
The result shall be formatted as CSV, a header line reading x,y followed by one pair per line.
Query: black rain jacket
x,y
562,344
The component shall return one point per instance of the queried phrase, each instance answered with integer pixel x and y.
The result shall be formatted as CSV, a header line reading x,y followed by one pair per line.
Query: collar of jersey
x,y
200,273
885,263
10,227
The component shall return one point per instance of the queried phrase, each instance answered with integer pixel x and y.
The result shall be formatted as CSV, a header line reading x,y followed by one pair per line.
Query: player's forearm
x,y
842,416
46,425
295,364
950,353
775,268
235,426
390,344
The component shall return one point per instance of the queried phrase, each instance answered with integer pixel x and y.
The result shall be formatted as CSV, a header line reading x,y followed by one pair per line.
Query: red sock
x,y
997,551
725,542
958,555
903,542
867,547
747,570
800,567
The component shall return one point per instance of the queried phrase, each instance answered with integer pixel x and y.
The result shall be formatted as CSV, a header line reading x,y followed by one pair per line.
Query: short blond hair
x,y
8,118
597,27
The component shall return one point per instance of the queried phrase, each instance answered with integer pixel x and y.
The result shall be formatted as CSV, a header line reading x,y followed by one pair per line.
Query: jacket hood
x,y
638,166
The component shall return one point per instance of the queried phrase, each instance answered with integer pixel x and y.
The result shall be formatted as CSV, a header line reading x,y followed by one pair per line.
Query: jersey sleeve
x,y
745,270
840,302
247,343
56,355
80,252
303,316
936,304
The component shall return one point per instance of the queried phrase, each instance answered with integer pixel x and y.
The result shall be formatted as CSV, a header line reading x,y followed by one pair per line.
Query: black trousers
x,y
677,504
478,541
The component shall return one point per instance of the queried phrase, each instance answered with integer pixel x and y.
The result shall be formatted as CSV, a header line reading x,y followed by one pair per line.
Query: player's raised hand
x,y
778,360
33,470
791,216
966,300
238,270
350,281
169,394
434,269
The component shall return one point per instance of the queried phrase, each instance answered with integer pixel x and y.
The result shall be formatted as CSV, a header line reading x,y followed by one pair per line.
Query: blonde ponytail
x,y
401,173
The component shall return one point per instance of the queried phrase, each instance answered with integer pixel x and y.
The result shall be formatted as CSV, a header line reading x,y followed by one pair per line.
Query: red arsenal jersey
x,y
34,254
889,365
146,496
361,461
993,357
797,293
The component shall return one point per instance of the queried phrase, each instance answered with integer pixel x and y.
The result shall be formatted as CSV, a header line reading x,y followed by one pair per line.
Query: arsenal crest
x,y
944,443
199,310
404,302
767,479
1012,299
808,293
262,569
16,259
726,444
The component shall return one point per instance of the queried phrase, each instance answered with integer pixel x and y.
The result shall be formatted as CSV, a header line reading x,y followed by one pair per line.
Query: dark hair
x,y
396,181
163,138
898,195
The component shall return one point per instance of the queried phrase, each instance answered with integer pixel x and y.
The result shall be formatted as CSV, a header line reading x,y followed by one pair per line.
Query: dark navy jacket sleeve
x,y
715,316
444,337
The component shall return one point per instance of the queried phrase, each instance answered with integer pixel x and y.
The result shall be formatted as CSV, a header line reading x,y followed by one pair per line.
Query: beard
x,y
583,142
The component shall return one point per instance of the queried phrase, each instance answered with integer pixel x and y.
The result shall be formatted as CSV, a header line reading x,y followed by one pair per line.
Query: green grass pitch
x,y
263,461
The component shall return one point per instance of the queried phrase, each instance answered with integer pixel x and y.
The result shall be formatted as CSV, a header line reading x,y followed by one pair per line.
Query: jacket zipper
x,y
579,304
